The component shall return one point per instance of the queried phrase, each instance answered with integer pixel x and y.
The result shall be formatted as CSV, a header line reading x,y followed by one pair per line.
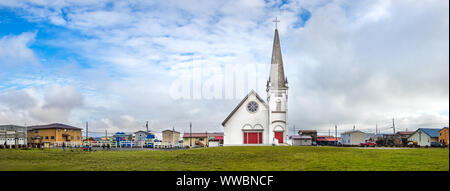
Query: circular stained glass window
x,y
252,106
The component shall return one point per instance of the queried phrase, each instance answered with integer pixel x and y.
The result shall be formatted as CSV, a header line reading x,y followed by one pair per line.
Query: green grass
x,y
258,158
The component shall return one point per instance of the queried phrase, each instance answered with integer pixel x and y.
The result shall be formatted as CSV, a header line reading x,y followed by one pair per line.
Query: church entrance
x,y
253,137
279,136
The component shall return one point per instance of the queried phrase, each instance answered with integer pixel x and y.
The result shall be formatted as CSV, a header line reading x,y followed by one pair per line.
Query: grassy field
x,y
230,159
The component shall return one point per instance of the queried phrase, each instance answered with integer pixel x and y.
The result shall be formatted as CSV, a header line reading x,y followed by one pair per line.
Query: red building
x,y
327,140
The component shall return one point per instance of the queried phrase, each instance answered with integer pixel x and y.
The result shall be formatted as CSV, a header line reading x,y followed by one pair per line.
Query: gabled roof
x,y
12,126
53,126
405,132
217,138
353,131
145,132
307,131
169,130
242,102
430,132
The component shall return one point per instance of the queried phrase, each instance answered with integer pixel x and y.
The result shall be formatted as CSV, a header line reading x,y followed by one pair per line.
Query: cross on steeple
x,y
276,21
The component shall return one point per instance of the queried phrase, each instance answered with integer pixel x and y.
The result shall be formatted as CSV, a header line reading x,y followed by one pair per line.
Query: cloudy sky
x,y
115,63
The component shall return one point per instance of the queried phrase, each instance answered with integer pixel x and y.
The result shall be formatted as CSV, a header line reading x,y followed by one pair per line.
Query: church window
x,y
252,106
278,105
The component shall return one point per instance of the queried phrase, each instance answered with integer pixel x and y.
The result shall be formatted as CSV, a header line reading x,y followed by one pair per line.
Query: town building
x,y
107,138
443,136
201,139
171,138
301,140
142,137
216,140
370,137
353,138
424,136
54,134
122,136
312,133
403,135
255,122
13,136
390,139
327,140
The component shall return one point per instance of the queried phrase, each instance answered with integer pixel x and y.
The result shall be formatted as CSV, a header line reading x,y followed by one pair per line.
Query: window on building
x,y
53,137
78,137
59,130
71,137
278,105
46,137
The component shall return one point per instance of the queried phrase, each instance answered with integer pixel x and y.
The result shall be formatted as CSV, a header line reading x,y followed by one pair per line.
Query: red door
x,y
260,137
245,138
252,137
279,136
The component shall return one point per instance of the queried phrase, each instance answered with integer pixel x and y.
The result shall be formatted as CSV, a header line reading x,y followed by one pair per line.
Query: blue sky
x,y
112,63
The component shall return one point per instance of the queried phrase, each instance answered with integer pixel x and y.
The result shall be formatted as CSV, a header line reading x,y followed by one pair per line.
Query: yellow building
x,y
443,136
170,137
199,139
55,134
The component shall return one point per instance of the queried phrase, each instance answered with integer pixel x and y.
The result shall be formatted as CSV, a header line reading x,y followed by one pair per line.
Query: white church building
x,y
255,121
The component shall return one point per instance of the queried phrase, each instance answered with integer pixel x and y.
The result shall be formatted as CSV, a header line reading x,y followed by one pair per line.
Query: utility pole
x,y
207,140
146,125
329,133
335,131
190,135
376,128
106,135
353,127
87,133
173,137
393,124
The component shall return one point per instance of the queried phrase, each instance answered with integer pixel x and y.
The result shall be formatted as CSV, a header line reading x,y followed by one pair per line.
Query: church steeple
x,y
277,79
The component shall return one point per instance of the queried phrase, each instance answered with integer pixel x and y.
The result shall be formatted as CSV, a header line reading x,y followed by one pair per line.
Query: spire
x,y
276,78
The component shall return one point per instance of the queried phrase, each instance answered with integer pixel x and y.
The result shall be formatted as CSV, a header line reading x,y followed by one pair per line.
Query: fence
x,y
133,144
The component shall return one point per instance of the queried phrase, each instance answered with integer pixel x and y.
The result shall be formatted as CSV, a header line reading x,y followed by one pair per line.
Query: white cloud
x,y
14,50
37,106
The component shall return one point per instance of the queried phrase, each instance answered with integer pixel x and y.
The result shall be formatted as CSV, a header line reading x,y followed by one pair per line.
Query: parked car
x,y
412,144
368,144
436,144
